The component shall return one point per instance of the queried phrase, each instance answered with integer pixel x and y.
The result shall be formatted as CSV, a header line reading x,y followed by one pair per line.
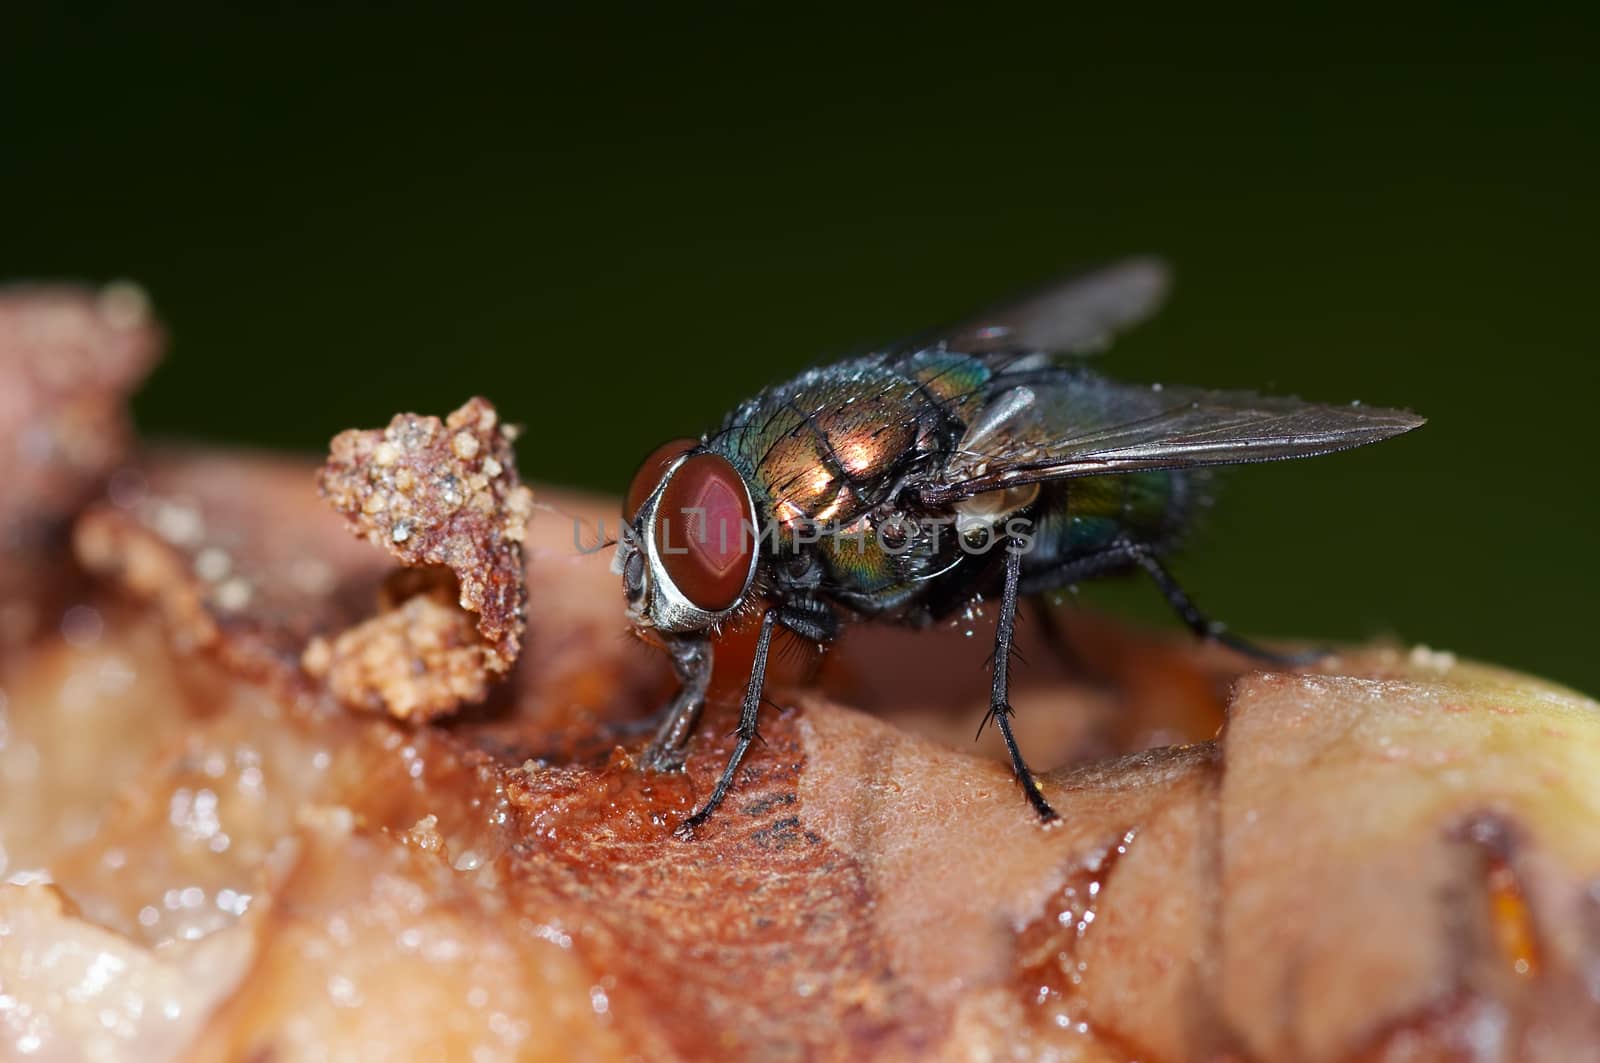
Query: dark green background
x,y
615,230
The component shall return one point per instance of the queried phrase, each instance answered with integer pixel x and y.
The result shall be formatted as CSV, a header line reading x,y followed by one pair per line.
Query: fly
x,y
989,459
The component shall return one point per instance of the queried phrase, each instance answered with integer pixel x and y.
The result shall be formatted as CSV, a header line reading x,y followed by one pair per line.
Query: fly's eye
x,y
648,478
704,534
633,576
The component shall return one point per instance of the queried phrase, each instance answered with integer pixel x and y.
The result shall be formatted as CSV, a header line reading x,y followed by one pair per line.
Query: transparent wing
x,y
1053,425
1075,315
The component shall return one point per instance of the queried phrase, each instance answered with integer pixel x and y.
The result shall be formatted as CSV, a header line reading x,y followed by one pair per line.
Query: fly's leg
x,y
1207,628
999,703
746,732
1120,556
1054,633
691,660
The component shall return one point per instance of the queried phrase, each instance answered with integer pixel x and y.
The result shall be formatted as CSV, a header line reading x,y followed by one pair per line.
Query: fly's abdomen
x,y
1078,517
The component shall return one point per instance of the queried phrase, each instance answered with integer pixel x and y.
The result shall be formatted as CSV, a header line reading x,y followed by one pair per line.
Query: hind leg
x,y
1124,555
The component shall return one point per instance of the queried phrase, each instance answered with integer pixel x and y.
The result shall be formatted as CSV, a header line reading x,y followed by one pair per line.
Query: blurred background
x,y
618,229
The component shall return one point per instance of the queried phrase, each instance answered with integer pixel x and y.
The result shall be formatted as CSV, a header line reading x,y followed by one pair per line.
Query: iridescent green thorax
x,y
827,445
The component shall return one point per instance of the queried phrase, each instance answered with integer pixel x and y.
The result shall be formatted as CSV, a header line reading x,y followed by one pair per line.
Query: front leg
x,y
810,618
746,731
691,661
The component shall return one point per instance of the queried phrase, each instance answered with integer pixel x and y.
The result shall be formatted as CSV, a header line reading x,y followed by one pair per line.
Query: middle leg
x,y
748,714
999,694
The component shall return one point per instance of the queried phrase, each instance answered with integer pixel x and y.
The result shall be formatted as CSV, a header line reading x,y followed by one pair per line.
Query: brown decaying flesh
x,y
205,856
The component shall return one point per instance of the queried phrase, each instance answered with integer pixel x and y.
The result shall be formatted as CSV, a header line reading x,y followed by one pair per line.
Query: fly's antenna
x,y
602,541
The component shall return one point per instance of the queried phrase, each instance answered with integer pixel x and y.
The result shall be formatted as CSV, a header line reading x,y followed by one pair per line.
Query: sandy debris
x,y
442,497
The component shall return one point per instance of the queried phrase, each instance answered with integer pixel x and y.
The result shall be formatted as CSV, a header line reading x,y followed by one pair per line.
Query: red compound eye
x,y
705,531
648,478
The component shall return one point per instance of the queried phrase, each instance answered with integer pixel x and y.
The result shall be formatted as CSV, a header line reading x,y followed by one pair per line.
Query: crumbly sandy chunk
x,y
440,495
419,659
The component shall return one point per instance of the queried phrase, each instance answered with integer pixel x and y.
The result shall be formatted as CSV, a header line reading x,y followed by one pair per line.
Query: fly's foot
x,y
1307,658
1292,659
691,659
1048,817
1030,789
660,759
684,831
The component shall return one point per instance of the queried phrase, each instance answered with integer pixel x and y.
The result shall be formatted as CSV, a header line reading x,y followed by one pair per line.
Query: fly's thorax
x,y
865,556
889,556
826,473
828,445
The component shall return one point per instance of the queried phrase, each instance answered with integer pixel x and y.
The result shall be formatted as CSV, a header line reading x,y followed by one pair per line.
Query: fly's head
x,y
687,553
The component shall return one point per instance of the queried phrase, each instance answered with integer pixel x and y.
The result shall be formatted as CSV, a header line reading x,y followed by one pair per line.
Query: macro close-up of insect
x,y
986,459
376,682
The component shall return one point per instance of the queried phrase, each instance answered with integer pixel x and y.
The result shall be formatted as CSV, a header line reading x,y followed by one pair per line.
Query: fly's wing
x,y
1075,315
1052,425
